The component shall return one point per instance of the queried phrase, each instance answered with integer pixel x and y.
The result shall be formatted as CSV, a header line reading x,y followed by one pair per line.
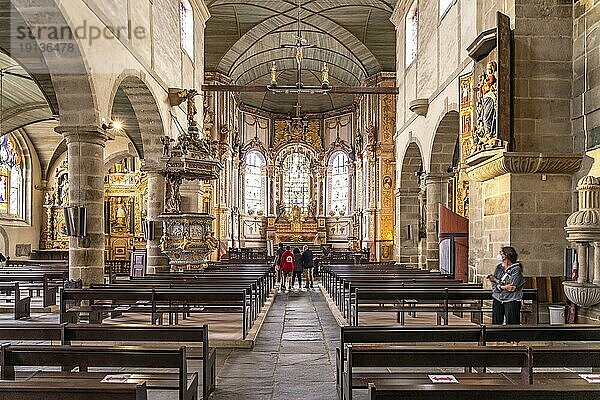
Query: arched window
x,y
411,33
339,182
296,181
445,5
11,178
186,21
254,182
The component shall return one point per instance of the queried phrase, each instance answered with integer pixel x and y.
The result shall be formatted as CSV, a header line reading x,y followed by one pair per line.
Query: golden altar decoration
x,y
296,226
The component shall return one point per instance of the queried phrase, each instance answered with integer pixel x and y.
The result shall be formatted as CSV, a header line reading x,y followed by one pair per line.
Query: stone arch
x,y
63,77
135,105
115,157
410,207
444,142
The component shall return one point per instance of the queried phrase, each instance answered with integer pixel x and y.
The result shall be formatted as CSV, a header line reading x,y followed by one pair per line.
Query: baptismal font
x,y
188,238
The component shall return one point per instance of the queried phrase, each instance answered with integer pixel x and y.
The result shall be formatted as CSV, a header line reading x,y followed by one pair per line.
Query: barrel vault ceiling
x,y
354,37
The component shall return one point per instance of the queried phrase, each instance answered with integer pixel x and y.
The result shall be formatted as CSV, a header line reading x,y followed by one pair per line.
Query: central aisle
x,y
293,356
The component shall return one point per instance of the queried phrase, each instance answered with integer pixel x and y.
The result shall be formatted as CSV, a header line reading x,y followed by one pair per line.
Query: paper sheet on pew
x,y
591,378
116,378
443,378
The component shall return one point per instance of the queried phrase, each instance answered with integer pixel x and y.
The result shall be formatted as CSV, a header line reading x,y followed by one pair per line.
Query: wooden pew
x,y
22,305
85,357
151,301
495,392
439,301
481,335
423,357
46,281
70,334
405,334
72,389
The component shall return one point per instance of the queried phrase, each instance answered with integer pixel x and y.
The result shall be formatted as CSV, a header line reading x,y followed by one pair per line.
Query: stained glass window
x,y
186,20
444,5
339,182
11,178
254,182
412,23
296,181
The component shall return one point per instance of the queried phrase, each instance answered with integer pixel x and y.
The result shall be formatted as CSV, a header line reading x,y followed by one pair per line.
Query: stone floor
x,y
293,356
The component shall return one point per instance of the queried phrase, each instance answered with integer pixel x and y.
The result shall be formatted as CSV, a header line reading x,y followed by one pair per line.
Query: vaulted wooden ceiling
x,y
354,37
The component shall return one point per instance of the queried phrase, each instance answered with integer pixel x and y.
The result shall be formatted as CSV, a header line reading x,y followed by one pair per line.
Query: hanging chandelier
x,y
299,87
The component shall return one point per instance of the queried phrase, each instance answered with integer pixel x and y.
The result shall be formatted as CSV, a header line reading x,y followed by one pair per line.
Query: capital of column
x,y
84,133
432,178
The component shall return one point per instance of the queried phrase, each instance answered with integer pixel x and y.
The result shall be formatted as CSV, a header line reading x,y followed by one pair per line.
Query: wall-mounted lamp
x,y
76,221
117,125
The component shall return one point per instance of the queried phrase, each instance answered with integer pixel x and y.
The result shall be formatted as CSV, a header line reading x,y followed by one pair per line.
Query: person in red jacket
x,y
287,265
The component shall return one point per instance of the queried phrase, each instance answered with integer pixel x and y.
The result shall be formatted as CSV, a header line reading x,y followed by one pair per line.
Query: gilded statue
x,y
210,241
185,243
485,135
163,243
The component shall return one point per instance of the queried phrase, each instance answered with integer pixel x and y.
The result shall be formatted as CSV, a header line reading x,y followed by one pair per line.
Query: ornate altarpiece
x,y
125,207
54,232
297,223
490,95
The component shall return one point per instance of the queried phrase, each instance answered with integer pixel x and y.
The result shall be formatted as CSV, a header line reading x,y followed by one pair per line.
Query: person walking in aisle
x,y
308,264
297,268
287,266
507,288
278,262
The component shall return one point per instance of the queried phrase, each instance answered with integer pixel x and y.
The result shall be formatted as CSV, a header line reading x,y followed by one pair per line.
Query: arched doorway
x,y
412,209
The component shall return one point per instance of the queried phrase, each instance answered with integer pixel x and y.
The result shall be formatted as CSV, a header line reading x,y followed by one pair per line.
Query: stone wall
x,y
543,48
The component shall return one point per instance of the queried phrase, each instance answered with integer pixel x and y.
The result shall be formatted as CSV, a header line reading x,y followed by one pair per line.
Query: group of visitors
x,y
293,264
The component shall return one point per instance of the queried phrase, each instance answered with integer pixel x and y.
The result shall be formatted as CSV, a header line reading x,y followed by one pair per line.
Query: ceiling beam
x,y
334,90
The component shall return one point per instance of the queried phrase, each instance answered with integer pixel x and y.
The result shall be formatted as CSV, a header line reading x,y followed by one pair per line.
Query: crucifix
x,y
297,107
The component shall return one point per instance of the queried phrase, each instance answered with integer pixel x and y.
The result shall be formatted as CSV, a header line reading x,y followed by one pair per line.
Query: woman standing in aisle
x,y
507,288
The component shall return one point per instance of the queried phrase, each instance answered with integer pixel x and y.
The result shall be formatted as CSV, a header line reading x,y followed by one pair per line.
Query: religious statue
x,y
163,243
485,135
166,142
312,209
121,213
325,76
210,240
280,210
185,243
191,106
173,197
273,74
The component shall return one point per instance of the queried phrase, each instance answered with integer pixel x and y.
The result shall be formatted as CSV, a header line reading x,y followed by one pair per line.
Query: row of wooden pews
x,y
402,290
75,358
82,347
384,360
232,288
392,362
27,282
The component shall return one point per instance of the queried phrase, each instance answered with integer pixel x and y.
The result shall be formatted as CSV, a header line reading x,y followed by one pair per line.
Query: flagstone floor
x,y
293,356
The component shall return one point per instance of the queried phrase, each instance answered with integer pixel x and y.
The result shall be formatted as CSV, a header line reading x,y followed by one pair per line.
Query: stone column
x,y
596,280
437,192
85,152
582,260
156,261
